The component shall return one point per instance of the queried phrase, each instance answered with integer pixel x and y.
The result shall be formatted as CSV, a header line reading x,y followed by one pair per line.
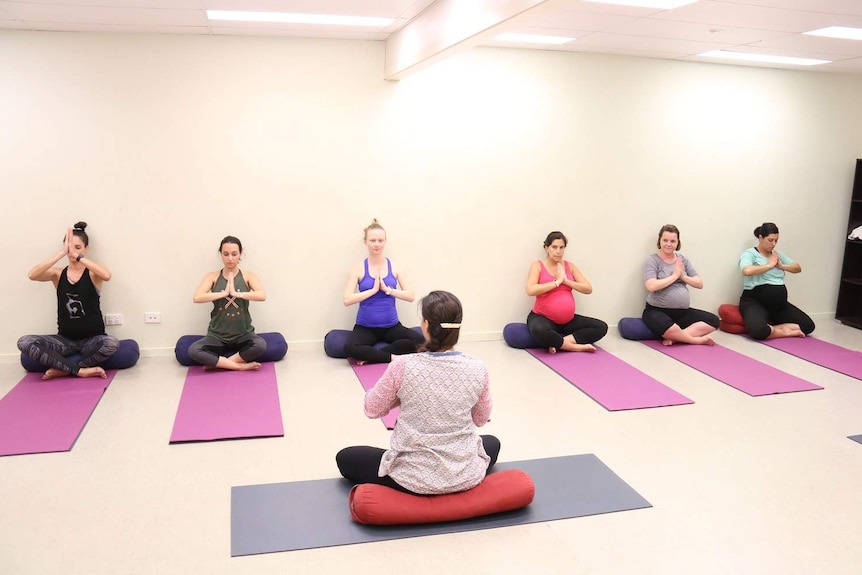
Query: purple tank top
x,y
379,309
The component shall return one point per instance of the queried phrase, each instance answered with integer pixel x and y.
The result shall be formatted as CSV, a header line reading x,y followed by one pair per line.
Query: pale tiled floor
x,y
739,485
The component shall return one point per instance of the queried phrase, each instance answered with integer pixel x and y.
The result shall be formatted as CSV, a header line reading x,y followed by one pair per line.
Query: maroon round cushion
x,y
730,320
372,504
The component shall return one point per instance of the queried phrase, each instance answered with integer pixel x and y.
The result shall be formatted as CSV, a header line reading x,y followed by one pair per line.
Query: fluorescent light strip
x,y
532,38
287,18
728,55
659,4
842,32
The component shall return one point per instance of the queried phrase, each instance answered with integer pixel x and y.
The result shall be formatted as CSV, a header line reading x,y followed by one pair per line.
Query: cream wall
x,y
164,144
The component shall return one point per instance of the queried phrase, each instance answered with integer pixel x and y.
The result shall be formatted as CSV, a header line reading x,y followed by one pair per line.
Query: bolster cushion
x,y
126,356
730,320
517,335
276,348
372,504
333,342
635,328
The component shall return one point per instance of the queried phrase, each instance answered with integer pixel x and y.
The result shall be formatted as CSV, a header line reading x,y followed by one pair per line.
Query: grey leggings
x,y
52,350
206,351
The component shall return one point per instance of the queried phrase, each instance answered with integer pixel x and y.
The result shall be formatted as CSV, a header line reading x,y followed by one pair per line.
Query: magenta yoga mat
x,y
821,353
39,416
610,381
221,404
736,370
368,375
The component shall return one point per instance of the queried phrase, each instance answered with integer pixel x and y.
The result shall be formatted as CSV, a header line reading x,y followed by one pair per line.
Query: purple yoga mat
x,y
223,404
821,353
368,375
610,381
736,370
39,416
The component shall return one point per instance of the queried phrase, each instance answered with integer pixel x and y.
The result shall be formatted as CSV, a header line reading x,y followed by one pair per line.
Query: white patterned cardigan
x,y
435,447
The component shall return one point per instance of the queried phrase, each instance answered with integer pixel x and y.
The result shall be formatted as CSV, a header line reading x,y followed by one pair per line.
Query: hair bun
x,y
80,226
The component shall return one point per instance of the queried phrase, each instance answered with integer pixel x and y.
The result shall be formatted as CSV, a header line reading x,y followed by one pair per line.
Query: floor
x,y
740,485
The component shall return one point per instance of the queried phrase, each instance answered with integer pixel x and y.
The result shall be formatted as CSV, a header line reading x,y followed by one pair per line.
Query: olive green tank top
x,y
230,319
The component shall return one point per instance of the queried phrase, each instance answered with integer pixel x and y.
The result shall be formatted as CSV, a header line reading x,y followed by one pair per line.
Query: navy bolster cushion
x,y
730,319
276,348
333,342
635,328
126,356
517,335
372,504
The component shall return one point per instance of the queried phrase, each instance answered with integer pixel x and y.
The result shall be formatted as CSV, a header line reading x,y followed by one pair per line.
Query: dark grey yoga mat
x,y
309,514
856,438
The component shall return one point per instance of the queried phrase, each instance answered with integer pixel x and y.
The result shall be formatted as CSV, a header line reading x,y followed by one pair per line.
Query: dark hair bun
x,y
80,226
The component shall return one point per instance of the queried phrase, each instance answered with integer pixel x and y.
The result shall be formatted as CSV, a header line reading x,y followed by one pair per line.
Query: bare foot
x,y
667,342
361,362
552,350
584,347
251,366
92,372
707,340
52,373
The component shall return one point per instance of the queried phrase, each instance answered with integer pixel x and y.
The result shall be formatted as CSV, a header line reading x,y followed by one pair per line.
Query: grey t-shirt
x,y
674,296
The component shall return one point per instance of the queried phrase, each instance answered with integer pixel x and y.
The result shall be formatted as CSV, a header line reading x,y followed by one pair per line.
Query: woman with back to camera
x,y
443,396
667,277
80,326
553,323
375,284
764,307
230,342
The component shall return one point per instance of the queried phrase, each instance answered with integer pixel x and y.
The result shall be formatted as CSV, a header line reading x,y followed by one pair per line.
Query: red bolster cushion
x,y
507,490
730,320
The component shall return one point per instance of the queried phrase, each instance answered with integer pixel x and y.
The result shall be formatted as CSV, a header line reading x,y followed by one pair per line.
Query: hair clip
x,y
450,325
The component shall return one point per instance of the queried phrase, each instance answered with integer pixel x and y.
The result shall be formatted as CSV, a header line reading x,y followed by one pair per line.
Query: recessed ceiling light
x,y
287,18
747,56
660,4
838,32
532,38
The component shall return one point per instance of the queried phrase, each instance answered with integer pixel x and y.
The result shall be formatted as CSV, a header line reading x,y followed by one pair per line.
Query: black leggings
x,y
401,340
548,334
361,463
660,319
767,305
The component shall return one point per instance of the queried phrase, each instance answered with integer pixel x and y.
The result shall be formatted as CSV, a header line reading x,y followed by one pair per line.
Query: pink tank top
x,y
558,305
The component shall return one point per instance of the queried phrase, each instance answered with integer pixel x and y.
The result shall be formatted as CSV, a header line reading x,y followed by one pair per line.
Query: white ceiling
x,y
761,26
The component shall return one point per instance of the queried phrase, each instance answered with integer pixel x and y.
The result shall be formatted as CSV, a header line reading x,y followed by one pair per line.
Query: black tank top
x,y
78,313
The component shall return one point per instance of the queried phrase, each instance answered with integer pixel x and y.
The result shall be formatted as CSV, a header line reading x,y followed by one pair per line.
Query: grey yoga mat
x,y
308,514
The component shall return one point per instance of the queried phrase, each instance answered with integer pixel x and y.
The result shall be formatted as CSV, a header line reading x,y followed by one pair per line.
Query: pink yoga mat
x,y
39,416
222,404
610,381
821,353
368,375
736,370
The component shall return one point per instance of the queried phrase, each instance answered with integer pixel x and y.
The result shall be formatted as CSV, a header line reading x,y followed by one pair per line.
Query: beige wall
x,y
164,144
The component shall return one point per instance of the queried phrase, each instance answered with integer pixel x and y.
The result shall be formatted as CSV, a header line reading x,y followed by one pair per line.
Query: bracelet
x,y
556,283
80,256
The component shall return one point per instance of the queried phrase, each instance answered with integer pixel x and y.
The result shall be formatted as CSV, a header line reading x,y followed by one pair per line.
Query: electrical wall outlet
x,y
152,317
113,319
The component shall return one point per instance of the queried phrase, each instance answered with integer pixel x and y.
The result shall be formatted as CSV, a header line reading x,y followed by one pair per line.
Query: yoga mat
x,y
39,416
610,381
309,514
736,370
368,375
223,404
856,438
821,353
